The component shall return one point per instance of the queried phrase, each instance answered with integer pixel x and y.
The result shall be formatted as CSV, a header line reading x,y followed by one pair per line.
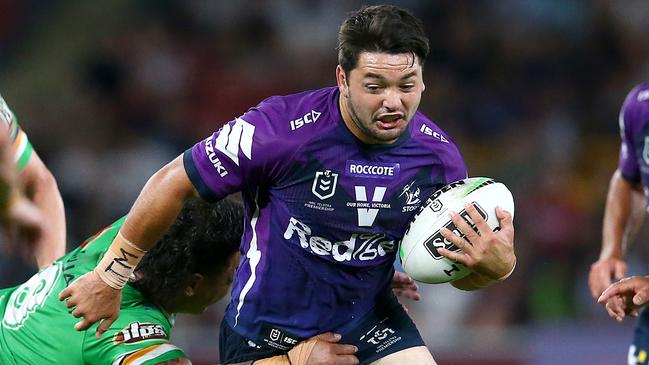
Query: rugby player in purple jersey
x,y
626,207
330,179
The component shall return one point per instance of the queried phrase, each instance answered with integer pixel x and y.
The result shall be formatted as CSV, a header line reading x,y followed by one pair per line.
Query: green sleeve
x,y
139,337
22,148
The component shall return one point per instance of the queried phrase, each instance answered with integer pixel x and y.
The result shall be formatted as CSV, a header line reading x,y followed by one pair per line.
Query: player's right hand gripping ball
x,y
418,251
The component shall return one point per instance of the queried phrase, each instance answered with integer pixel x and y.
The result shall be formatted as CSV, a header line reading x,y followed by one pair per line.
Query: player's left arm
x,y
41,187
489,254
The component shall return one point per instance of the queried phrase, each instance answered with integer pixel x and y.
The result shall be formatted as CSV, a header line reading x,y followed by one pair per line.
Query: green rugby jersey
x,y
38,329
20,145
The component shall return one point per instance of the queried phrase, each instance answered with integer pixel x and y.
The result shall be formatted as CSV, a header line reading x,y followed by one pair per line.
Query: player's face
x,y
210,289
380,95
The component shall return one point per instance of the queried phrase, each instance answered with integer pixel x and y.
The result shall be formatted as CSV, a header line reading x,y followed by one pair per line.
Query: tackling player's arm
x,y
625,297
489,254
97,295
322,349
623,217
42,189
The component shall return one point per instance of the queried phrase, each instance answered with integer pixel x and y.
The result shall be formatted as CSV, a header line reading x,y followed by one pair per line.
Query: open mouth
x,y
389,121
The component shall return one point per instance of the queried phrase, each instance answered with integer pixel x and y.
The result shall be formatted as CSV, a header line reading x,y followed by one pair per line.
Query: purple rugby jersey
x,y
324,211
634,129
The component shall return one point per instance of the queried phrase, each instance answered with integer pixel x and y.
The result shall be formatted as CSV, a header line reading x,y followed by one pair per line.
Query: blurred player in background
x,y
190,268
322,174
41,188
17,213
625,210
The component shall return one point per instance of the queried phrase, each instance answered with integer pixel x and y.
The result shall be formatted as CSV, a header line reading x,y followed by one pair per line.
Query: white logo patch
x,y
324,184
30,296
237,138
367,213
274,334
430,132
359,247
136,332
412,197
308,118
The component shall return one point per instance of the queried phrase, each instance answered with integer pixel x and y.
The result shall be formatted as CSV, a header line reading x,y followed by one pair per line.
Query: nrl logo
x,y
324,184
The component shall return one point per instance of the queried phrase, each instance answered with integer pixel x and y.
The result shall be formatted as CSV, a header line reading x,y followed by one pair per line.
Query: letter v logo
x,y
367,216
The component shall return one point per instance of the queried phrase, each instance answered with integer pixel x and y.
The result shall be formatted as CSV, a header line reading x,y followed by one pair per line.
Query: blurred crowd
x,y
530,90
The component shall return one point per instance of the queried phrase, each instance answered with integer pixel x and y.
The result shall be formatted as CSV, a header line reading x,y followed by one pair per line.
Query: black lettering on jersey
x,y
68,278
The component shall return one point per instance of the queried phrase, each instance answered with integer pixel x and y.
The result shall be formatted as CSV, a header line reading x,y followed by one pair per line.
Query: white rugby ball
x,y
418,251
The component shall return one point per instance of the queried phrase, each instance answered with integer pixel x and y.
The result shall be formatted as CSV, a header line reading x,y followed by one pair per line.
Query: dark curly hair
x,y
201,240
380,28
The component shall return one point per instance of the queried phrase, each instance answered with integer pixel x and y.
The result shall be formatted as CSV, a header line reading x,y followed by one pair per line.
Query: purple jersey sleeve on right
x,y
632,119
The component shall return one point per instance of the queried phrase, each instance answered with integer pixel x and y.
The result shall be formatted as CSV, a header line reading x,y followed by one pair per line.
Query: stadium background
x,y
108,91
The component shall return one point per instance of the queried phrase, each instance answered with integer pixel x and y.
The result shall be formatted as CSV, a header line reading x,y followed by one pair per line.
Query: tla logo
x,y
324,184
310,117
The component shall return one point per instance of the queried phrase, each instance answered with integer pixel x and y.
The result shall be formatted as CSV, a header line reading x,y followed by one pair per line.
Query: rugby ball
x,y
418,249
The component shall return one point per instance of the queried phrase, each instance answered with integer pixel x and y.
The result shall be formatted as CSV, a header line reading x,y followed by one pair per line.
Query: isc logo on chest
x,y
310,117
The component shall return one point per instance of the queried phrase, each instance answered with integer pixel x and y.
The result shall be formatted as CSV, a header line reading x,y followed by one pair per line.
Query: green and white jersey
x,y
38,329
20,145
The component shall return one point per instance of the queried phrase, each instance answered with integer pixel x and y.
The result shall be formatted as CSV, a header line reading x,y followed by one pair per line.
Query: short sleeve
x,y
456,170
20,145
248,151
140,336
631,119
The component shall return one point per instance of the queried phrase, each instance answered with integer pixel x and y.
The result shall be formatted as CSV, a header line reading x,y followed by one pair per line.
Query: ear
x,y
234,263
196,280
341,79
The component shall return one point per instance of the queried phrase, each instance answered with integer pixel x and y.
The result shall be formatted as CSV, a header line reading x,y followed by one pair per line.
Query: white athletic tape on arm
x,y
119,262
